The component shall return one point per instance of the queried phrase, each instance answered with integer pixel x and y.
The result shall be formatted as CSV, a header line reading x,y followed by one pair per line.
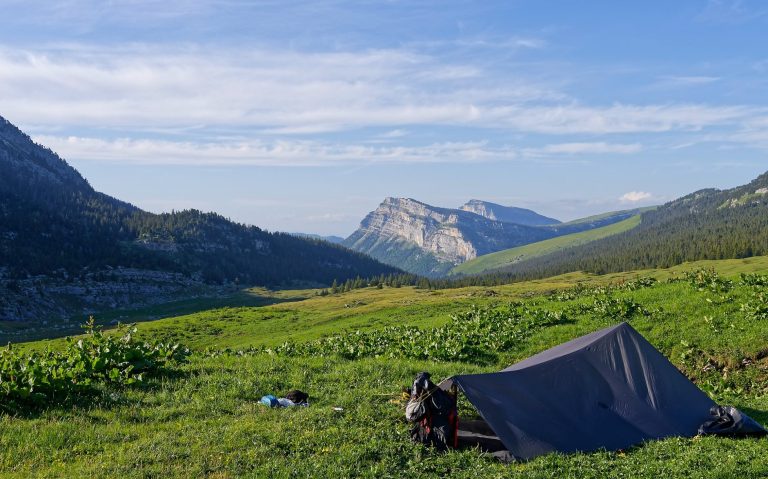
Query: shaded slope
x,y
52,220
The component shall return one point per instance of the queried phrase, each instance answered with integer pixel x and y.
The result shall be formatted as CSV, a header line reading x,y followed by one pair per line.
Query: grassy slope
x,y
601,216
206,421
17,331
533,250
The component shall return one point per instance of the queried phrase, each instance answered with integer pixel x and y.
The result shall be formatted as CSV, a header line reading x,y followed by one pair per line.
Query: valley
x,y
383,239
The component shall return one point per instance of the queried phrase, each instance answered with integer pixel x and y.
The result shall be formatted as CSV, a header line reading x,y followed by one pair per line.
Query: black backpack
x,y
438,420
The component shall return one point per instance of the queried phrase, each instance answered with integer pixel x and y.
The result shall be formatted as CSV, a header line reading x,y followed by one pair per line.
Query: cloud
x,y
394,134
586,148
503,43
635,196
620,118
685,81
138,88
732,11
267,153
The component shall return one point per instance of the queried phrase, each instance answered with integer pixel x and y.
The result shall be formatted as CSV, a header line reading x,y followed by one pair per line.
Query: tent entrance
x,y
477,433
473,431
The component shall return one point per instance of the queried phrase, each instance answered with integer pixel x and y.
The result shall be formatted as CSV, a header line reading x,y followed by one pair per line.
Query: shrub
x,y
37,379
754,279
474,335
708,280
756,308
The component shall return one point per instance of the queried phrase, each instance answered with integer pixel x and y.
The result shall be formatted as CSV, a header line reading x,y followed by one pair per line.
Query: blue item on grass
x,y
269,400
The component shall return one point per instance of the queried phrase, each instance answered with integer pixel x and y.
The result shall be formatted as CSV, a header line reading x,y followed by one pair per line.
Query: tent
x,y
607,390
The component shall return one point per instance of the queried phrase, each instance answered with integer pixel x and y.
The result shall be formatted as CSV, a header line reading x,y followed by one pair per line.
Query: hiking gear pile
x,y
292,398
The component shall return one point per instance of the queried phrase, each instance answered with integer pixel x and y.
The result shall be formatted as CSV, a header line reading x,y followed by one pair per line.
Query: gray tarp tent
x,y
607,390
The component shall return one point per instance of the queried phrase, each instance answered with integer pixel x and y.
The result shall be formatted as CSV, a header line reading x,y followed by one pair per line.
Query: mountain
x,y
424,239
430,241
507,214
56,231
707,224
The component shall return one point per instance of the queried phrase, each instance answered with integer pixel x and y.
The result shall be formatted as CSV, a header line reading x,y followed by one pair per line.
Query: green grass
x,y
22,332
510,256
205,420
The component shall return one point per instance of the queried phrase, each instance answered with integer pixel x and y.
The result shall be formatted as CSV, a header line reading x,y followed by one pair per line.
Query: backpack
x,y
434,412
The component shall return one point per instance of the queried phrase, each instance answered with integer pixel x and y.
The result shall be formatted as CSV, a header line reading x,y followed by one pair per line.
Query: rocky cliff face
x,y
428,240
58,297
430,228
508,214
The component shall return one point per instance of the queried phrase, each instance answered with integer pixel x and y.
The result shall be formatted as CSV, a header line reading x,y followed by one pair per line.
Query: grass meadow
x,y
202,418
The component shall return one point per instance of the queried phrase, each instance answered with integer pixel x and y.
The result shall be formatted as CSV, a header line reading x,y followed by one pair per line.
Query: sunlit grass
x,y
206,420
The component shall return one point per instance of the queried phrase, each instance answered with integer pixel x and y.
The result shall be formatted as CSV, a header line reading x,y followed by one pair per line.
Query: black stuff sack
x,y
298,397
729,421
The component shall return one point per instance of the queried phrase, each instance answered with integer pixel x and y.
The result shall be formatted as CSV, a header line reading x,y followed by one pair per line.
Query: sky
x,y
302,116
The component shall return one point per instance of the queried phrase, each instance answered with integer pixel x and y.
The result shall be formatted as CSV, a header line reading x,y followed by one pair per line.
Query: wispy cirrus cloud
x,y
142,88
290,153
502,42
295,152
621,118
579,148
680,81
732,11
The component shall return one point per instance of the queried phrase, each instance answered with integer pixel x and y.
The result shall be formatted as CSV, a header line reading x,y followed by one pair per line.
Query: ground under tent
x,y
607,390
476,433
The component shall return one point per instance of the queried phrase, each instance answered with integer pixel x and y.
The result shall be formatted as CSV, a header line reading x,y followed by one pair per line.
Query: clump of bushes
x,y
754,279
756,308
708,280
475,335
40,378
616,308
582,291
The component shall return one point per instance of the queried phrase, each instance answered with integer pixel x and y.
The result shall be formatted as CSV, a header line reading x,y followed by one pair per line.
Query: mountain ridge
x,y
55,227
507,214
429,240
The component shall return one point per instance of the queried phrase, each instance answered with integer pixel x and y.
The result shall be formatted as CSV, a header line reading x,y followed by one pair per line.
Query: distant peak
x,y
389,200
507,214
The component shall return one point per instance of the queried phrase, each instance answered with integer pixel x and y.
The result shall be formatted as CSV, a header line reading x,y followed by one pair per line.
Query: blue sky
x,y
303,116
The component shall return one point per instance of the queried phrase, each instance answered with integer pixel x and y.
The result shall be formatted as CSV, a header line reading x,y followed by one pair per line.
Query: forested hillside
x,y
52,220
707,224
500,259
